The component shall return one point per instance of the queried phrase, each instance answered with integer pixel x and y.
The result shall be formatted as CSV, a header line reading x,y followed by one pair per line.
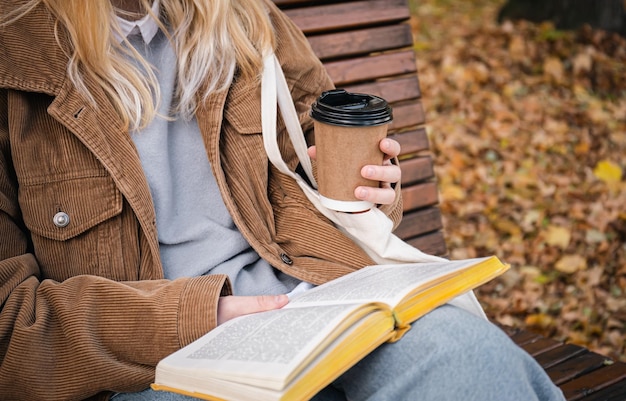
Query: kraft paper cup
x,y
348,130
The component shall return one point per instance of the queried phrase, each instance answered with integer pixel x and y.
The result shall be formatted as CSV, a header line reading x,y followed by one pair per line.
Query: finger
x,y
312,152
390,147
232,306
389,173
378,196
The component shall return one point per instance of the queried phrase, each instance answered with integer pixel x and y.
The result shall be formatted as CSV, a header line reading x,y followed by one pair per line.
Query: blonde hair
x,y
213,39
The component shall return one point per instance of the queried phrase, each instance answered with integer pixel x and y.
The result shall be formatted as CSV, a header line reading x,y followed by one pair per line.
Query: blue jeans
x,y
448,354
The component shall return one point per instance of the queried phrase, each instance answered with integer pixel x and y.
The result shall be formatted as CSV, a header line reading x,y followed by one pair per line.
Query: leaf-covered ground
x,y
528,131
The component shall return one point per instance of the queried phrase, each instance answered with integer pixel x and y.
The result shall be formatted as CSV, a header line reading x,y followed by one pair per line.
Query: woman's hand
x,y
231,307
387,174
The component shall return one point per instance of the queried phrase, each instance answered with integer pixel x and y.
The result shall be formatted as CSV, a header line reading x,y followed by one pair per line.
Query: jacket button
x,y
286,259
61,219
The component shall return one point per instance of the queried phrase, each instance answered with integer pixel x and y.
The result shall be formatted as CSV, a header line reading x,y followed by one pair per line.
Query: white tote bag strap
x,y
273,83
371,230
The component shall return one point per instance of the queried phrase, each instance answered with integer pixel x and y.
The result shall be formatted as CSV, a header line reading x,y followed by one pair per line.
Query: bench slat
x,y
407,115
394,90
540,346
558,355
412,142
361,42
614,392
432,243
575,367
417,169
594,381
419,222
354,14
420,195
523,337
371,67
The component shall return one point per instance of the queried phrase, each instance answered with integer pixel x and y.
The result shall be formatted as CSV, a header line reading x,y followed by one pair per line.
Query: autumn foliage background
x,y
528,132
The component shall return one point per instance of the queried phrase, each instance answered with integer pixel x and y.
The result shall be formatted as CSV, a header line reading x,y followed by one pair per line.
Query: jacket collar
x,y
30,56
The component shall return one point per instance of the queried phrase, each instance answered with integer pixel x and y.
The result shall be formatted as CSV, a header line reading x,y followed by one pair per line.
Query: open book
x,y
294,352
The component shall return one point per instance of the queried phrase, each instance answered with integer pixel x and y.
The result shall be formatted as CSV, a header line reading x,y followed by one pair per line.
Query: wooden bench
x,y
367,47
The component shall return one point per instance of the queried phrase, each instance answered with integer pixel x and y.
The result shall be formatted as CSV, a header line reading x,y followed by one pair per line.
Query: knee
x,y
454,332
450,354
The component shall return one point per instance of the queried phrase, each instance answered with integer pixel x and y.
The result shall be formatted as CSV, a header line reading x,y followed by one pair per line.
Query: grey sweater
x,y
196,233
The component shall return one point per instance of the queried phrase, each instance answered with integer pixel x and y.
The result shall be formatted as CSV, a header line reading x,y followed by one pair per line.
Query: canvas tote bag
x,y
371,230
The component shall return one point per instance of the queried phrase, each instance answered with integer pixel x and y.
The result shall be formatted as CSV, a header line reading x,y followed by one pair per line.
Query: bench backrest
x,y
367,47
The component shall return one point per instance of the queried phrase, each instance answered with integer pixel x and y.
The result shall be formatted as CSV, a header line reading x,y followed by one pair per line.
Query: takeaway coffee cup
x,y
348,130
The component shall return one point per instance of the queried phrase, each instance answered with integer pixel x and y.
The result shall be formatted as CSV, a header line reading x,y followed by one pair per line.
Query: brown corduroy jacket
x,y
84,306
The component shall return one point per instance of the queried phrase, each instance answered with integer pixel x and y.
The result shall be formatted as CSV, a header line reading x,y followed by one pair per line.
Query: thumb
x,y
268,302
230,307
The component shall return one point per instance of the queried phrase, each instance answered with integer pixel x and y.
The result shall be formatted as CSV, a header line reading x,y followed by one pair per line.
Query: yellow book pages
x,y
376,329
420,303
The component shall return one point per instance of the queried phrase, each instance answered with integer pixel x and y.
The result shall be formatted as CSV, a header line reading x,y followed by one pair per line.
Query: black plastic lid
x,y
339,107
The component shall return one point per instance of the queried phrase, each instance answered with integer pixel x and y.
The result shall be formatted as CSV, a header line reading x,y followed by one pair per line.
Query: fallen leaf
x,y
582,63
517,48
608,171
594,236
571,264
557,236
453,193
541,320
554,70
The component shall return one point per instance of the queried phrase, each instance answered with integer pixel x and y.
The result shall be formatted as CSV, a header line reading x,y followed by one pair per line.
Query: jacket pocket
x,y
76,227
61,210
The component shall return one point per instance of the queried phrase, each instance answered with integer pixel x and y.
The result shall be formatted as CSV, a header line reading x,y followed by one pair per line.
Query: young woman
x,y
138,209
